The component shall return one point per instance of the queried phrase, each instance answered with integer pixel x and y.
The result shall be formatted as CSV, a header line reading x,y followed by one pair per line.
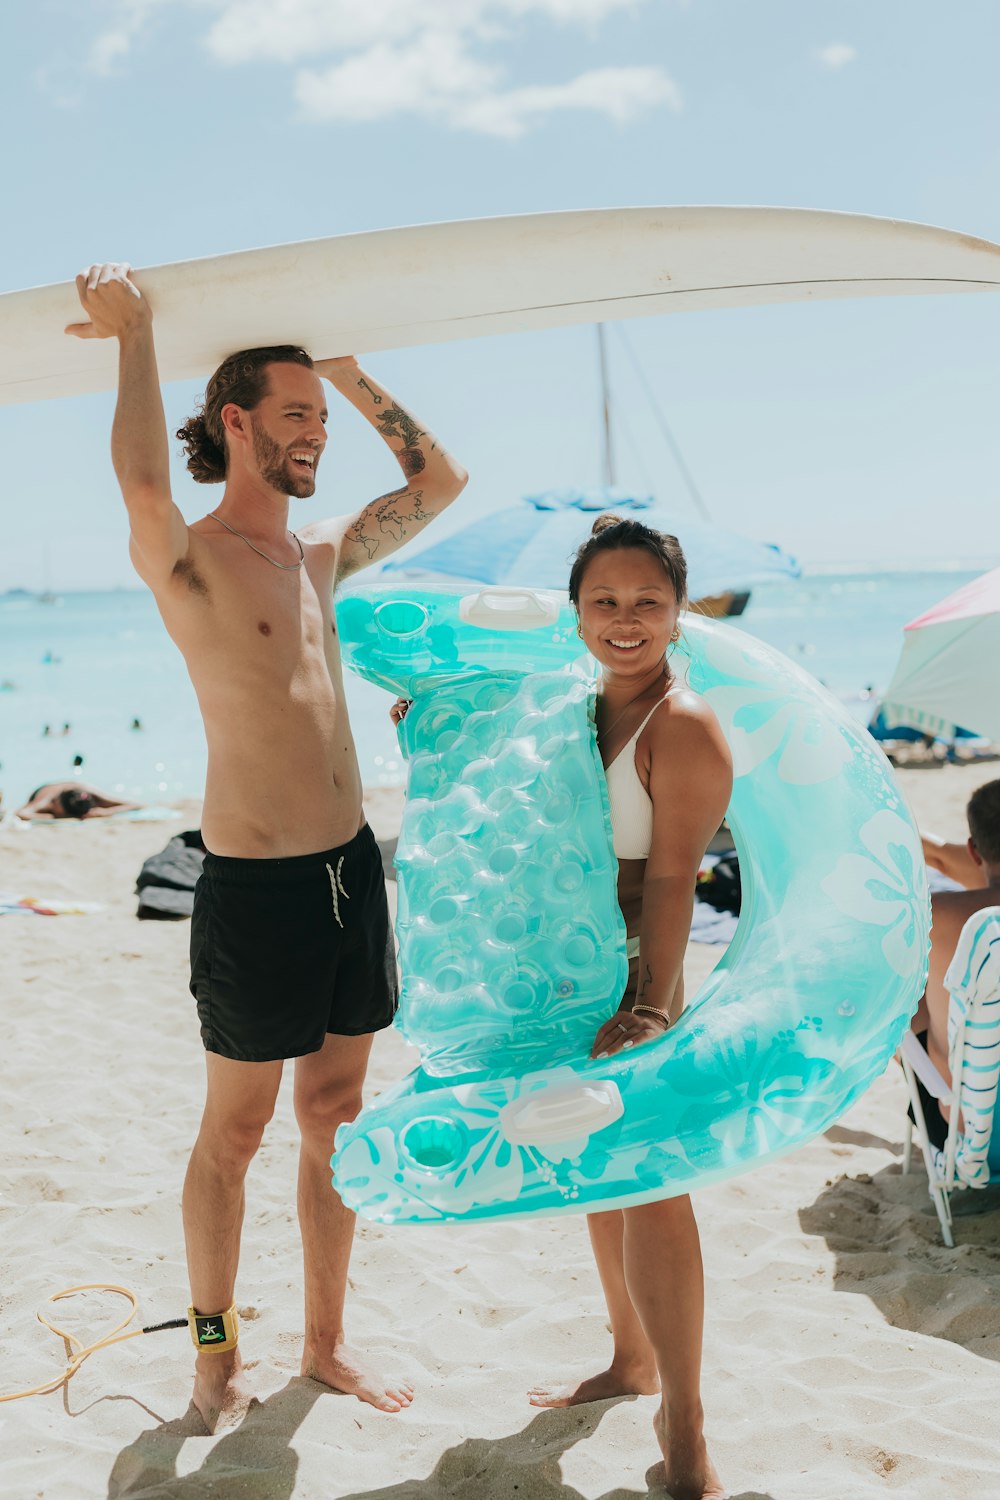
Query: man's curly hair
x,y
242,379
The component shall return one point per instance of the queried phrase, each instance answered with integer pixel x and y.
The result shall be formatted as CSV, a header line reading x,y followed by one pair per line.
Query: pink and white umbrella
x,y
948,674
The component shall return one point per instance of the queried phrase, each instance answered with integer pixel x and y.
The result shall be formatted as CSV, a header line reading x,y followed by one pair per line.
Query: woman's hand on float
x,y
398,709
626,1030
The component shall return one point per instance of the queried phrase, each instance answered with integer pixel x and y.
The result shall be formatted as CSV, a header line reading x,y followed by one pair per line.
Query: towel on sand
x,y
12,905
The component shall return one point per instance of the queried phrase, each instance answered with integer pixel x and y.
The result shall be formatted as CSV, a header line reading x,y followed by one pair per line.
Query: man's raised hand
x,y
344,365
113,303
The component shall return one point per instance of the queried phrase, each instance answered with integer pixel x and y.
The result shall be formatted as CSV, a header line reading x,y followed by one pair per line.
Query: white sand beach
x,y
848,1354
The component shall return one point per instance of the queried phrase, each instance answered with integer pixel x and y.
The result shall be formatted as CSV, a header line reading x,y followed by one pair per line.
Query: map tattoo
x,y
388,517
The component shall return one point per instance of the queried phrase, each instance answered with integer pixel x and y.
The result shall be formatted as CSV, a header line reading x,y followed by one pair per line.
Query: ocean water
x,y
98,661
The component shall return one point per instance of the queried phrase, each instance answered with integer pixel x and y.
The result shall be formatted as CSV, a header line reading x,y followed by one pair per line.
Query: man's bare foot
x,y
343,1370
689,1473
619,1380
222,1392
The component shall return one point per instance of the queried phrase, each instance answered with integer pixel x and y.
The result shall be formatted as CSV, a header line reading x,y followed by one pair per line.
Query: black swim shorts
x,y
284,951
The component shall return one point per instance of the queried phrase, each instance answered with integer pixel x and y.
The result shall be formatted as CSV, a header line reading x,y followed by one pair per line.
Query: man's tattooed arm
x,y
364,386
393,519
390,519
411,461
398,423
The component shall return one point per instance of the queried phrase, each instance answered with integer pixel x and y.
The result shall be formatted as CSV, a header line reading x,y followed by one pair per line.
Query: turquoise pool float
x,y
512,944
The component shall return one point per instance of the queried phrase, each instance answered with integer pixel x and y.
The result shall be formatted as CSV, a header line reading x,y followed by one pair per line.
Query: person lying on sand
x,y
975,865
291,945
71,799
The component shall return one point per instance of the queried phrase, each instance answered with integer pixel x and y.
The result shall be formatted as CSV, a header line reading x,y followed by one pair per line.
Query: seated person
x,y
71,799
976,866
954,860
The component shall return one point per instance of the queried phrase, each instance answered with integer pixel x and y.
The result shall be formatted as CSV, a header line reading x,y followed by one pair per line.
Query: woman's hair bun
x,y
605,519
611,533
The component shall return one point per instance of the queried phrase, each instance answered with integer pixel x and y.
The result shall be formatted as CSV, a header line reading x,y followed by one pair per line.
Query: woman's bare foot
x,y
343,1370
222,1392
619,1380
689,1472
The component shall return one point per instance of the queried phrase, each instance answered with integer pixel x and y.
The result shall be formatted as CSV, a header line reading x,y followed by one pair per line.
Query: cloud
x,y
426,59
437,78
292,30
358,60
106,50
837,55
296,30
114,45
619,93
60,84
578,12
432,76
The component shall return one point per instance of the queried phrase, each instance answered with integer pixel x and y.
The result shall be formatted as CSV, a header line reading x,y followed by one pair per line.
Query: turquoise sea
x,y
98,661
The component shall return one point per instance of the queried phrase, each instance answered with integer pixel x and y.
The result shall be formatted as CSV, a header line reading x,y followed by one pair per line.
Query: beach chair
x,y
971,1154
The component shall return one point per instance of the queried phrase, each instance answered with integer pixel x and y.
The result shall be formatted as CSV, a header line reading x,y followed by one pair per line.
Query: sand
x,y
848,1354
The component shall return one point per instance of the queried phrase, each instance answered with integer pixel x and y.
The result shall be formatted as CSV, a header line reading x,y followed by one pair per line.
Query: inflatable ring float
x,y
512,944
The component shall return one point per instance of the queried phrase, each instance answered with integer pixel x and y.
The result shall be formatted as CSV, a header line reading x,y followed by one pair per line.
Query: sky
x,y
856,433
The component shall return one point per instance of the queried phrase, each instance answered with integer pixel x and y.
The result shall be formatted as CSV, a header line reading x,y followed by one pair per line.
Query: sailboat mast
x,y
609,455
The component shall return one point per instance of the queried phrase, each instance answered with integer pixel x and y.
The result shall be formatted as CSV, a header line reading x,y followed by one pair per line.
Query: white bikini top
x,y
631,806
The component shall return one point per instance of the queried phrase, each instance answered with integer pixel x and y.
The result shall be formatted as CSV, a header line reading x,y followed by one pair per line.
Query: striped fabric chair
x,y
971,1155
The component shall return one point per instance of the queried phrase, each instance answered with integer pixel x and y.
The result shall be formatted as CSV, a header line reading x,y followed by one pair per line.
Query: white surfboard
x,y
432,283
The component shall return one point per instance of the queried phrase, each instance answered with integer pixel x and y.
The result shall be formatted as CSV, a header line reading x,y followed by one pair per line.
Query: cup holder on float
x,y
434,1144
402,619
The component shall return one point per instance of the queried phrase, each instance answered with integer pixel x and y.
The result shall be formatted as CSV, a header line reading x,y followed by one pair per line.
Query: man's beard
x,y
274,465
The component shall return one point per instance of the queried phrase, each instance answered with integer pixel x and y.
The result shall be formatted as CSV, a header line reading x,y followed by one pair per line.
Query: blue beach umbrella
x,y
531,544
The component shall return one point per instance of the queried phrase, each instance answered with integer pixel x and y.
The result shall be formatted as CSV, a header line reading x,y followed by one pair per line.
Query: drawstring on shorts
x,y
337,888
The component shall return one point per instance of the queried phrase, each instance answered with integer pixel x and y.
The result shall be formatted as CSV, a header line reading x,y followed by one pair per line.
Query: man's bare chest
x,y
244,618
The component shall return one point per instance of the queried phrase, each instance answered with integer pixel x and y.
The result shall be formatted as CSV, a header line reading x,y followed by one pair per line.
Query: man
x,y
292,950
975,865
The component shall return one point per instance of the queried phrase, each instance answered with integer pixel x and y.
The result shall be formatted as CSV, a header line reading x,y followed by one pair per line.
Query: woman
x,y
669,777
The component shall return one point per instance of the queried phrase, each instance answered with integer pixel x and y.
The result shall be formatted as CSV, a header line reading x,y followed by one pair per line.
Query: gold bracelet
x,y
651,1010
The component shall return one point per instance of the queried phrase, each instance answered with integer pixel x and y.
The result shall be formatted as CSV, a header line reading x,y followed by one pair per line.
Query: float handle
x,y
561,1113
503,608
